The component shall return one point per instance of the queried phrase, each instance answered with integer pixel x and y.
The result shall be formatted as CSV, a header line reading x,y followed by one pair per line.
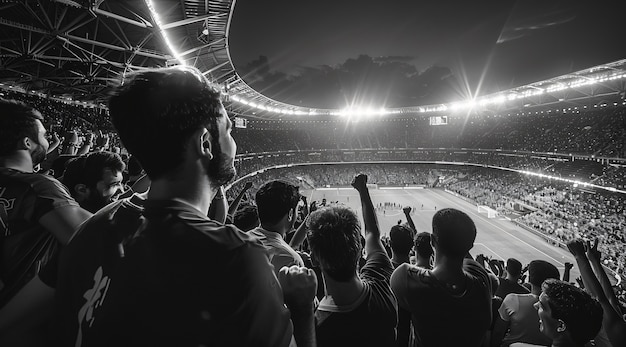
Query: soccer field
x,y
497,237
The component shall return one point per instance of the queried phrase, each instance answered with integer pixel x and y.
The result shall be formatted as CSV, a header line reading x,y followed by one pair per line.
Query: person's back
x,y
517,314
171,282
277,202
169,275
25,244
370,320
524,323
441,315
357,310
451,304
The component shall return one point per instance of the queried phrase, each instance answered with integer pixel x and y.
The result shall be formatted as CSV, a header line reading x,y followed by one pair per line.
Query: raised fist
x,y
360,182
592,251
299,286
576,247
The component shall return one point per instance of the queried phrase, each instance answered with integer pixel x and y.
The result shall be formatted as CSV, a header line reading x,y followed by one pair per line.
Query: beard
x,y
220,169
38,155
95,201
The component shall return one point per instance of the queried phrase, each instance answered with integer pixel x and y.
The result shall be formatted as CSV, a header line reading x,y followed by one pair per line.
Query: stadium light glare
x,y
157,20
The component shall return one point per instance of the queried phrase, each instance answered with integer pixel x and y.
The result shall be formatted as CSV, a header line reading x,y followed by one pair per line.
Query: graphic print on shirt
x,y
95,297
6,205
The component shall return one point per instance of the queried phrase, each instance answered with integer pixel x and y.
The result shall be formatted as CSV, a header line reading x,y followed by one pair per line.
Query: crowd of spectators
x,y
559,210
599,132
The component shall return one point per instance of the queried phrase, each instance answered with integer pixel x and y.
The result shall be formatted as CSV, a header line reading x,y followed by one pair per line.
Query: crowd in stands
x,y
599,132
559,210
146,246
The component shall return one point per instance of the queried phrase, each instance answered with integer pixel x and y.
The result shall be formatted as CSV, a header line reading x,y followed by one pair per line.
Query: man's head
x,y
401,239
94,180
454,233
541,270
276,201
422,245
22,130
567,312
246,218
513,268
167,117
334,237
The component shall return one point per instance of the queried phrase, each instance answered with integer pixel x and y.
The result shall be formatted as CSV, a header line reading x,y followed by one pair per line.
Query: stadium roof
x,y
83,48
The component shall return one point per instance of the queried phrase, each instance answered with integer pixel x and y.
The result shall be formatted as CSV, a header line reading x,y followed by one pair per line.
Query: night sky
x,y
416,52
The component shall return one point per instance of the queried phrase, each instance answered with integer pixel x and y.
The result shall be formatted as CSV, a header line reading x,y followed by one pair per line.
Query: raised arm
x,y
219,206
612,320
299,286
594,259
56,141
62,222
232,208
407,214
566,271
372,232
299,235
87,145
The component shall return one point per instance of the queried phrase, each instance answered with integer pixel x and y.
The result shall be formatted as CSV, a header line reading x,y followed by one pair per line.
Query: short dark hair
x,y
88,169
422,244
541,270
156,112
275,199
454,232
334,237
246,218
513,267
17,121
400,239
581,313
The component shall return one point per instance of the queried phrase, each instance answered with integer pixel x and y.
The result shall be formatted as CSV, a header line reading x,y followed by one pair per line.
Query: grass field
x,y
497,237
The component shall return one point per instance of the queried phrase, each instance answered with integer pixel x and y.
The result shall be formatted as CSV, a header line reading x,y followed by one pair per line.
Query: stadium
x,y
535,166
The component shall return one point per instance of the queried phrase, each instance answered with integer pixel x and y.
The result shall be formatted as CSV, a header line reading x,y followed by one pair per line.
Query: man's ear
x,y
202,139
81,192
291,214
561,327
25,143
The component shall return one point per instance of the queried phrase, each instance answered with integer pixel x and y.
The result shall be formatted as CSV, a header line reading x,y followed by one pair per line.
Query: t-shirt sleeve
x,y
508,307
377,267
262,312
478,272
51,194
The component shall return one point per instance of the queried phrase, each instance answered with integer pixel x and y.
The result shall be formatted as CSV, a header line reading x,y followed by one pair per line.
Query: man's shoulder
x,y
411,277
37,182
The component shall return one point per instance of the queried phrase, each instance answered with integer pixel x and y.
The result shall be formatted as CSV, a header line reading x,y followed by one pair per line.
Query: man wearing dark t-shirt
x,y
164,273
36,211
451,304
357,309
